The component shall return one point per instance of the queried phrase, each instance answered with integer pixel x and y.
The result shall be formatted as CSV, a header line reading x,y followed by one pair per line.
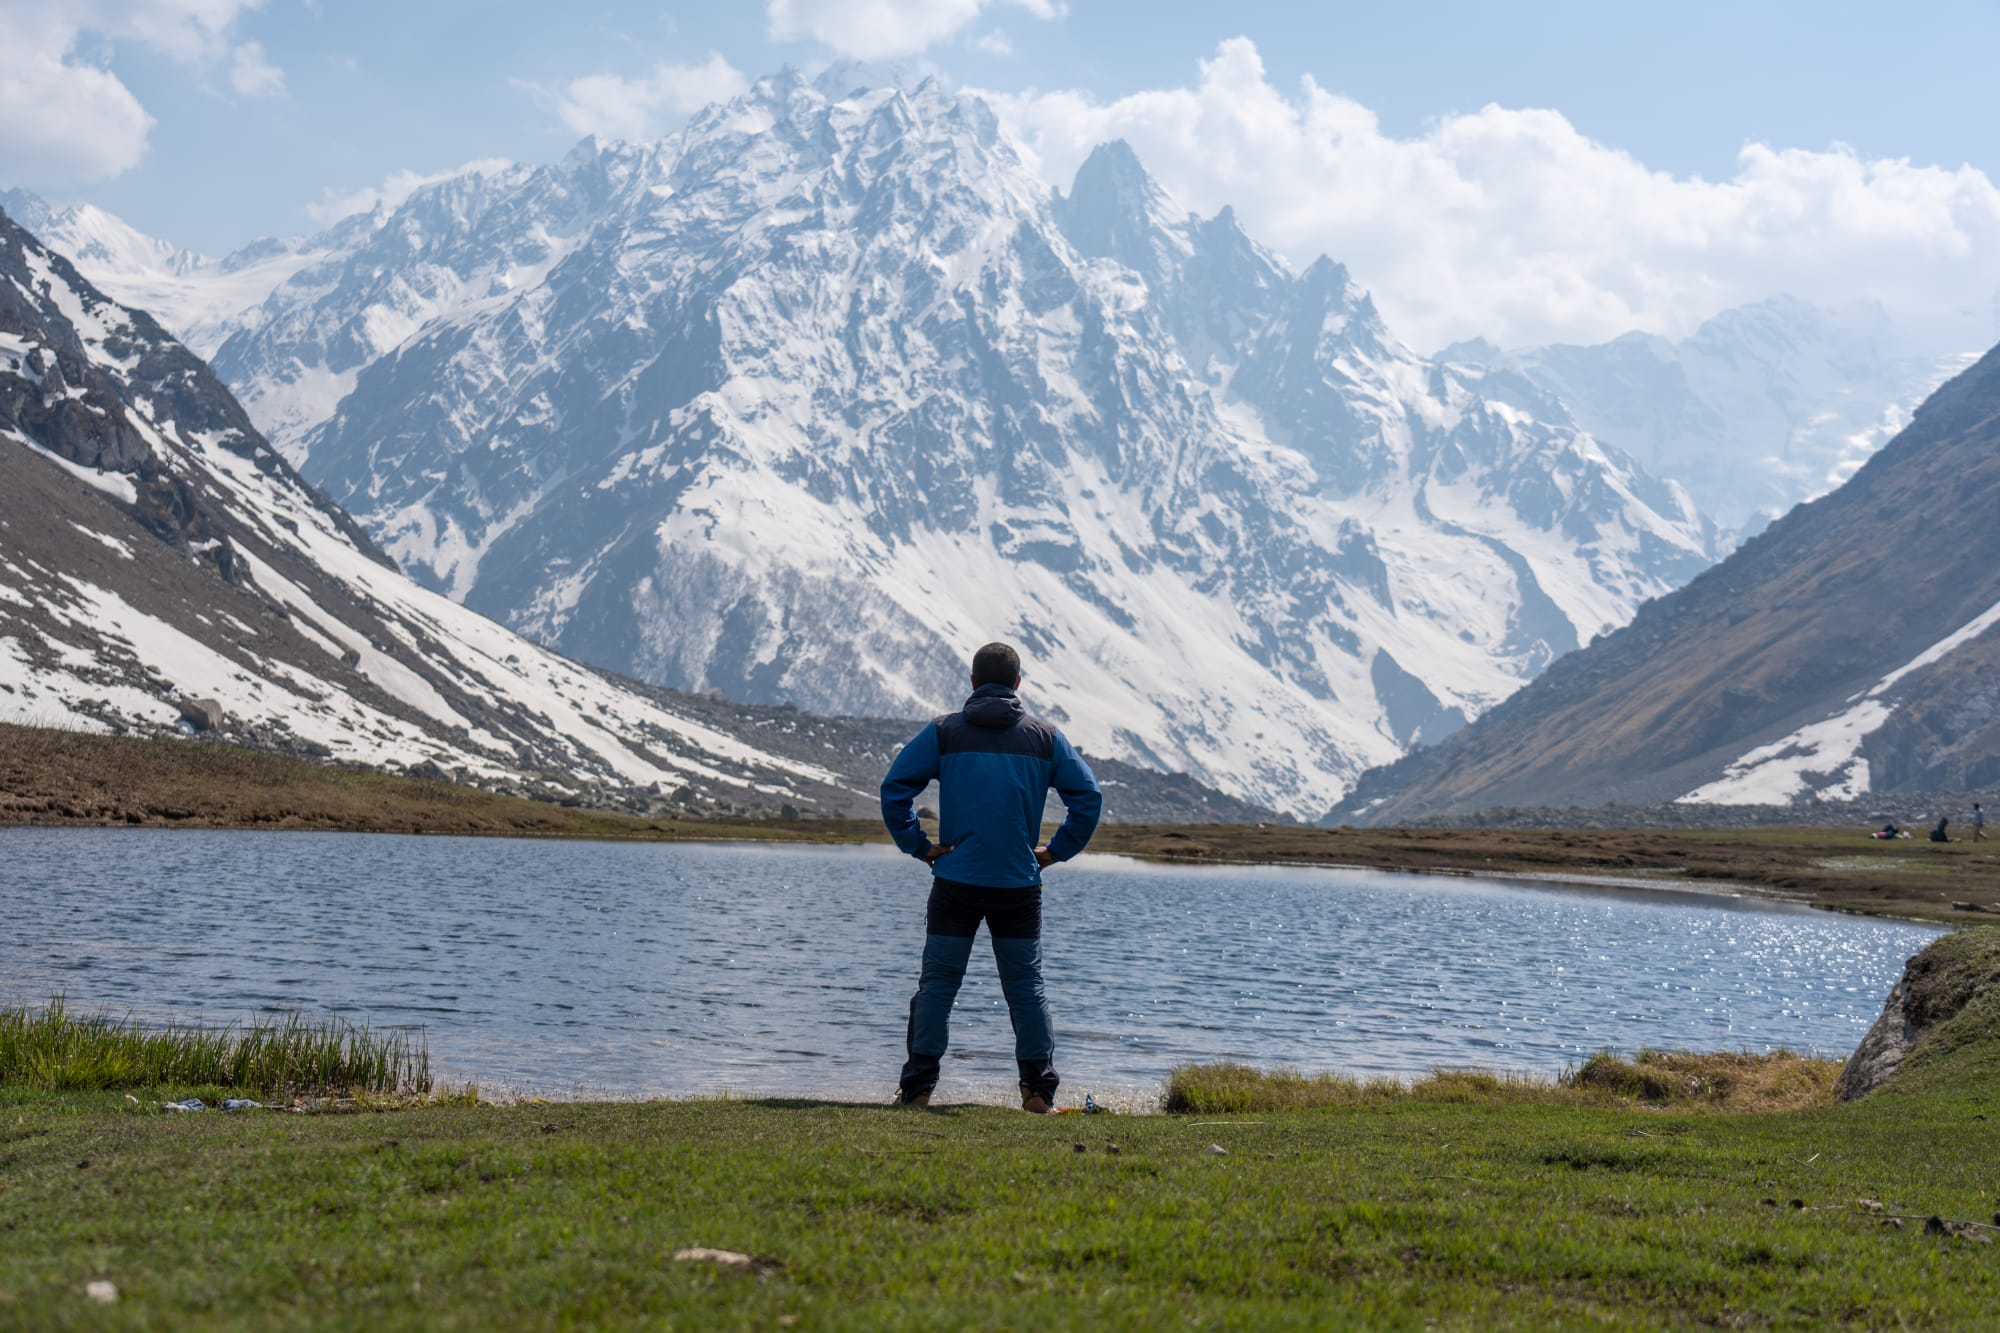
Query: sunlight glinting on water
x,y
617,969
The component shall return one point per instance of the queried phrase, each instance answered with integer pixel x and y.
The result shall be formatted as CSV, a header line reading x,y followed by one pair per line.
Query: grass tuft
x,y
52,1050
1233,1089
1725,1081
1733,1081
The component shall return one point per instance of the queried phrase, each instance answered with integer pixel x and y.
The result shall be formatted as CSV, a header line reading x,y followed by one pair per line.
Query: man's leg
x,y
1017,951
950,923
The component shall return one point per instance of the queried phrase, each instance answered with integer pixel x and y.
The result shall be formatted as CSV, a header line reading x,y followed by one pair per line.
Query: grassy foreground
x,y
1612,1202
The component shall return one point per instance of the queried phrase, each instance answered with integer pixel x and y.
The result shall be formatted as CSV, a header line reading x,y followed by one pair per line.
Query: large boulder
x,y
1936,986
202,714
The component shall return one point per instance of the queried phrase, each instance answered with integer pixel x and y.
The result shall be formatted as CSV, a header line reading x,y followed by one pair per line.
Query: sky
x,y
1527,172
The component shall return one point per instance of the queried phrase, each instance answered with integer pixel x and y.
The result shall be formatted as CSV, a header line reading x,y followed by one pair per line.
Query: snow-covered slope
x,y
198,299
154,550
1763,407
805,401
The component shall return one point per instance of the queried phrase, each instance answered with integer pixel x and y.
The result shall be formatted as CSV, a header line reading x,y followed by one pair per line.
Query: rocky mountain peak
x,y
829,375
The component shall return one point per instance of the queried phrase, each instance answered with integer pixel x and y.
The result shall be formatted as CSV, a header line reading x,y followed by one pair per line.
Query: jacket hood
x,y
994,706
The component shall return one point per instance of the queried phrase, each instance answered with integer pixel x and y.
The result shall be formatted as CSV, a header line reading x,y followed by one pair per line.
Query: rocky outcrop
x,y
1953,974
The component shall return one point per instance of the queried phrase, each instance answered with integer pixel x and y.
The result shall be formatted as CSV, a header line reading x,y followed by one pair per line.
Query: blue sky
x,y
211,122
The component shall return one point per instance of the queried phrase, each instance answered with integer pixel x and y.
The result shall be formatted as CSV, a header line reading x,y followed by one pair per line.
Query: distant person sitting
x,y
1938,833
1888,830
1978,823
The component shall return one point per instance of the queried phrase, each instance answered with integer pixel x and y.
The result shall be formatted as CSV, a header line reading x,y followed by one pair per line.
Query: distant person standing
x,y
994,766
1978,823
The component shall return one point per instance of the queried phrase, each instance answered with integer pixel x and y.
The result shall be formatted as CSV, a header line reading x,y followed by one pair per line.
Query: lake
x,y
577,968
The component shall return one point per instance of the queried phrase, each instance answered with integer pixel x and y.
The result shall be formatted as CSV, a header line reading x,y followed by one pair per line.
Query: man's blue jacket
x,y
994,766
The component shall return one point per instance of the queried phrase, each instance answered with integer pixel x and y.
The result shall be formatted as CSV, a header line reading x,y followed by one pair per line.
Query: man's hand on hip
x,y
936,852
1043,859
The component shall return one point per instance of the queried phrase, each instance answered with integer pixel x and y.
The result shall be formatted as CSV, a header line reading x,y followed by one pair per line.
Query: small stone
x,y
104,1293
1217,1150
1079,1147
1798,1203
1869,1205
701,1254
1111,1148
1934,1226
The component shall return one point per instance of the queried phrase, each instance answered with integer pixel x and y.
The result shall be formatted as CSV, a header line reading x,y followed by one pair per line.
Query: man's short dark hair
x,y
996,664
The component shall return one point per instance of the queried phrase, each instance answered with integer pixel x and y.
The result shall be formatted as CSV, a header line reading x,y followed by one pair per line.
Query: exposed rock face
x,y
1956,973
1881,1052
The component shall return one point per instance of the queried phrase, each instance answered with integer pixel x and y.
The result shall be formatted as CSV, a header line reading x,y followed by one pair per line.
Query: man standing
x,y
994,765
1978,823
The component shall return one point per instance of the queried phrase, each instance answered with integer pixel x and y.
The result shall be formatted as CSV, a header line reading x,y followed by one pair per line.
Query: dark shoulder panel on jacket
x,y
1029,736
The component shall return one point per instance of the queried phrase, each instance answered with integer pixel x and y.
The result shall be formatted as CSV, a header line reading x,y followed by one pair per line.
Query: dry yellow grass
x,y
1730,1082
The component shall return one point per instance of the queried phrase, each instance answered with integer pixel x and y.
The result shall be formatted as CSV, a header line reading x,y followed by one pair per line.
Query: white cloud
x,y
65,118
994,43
252,75
394,189
1512,224
885,29
613,107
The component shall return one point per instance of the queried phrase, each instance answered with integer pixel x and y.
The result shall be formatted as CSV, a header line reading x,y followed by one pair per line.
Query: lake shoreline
x,y
69,779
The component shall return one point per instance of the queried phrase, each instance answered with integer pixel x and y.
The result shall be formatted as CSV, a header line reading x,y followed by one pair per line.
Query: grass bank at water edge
x,y
1634,1197
51,1049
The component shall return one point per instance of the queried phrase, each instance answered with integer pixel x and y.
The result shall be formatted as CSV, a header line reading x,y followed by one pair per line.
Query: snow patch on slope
x,y
1823,759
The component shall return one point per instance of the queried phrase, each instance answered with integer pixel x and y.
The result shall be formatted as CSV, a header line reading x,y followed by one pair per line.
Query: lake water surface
x,y
613,968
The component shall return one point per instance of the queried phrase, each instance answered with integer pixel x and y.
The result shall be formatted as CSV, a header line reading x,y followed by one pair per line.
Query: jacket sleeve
x,y
915,768
1077,786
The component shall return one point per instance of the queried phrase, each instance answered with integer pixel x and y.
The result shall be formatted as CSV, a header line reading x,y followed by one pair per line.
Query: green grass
x,y
49,1049
1459,1203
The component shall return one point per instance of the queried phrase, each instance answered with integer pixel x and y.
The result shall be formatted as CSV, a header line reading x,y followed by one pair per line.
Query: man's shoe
x,y
904,1099
1035,1104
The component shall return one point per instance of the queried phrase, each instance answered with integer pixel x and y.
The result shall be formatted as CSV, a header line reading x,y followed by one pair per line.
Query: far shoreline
x,y
75,780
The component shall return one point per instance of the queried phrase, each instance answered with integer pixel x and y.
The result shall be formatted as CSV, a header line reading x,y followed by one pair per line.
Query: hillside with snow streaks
x,y
803,402
154,550
1851,648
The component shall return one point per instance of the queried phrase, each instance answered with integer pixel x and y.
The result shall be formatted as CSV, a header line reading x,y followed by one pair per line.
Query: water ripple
x,y
615,968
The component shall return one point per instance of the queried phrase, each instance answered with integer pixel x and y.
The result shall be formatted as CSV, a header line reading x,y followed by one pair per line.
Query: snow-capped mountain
x,y
811,397
1763,407
200,300
158,560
